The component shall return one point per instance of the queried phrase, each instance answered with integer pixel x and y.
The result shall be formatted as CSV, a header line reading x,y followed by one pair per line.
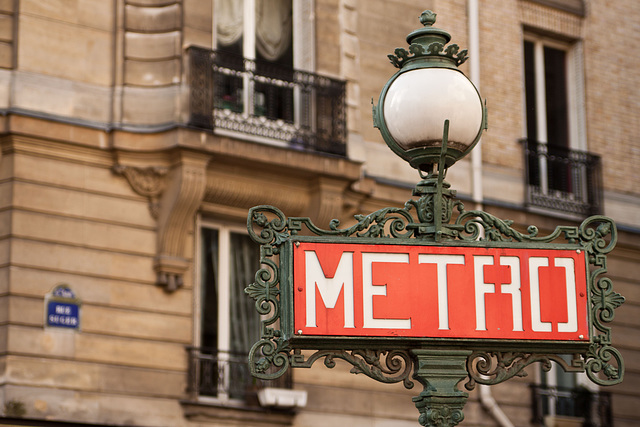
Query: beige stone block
x,y
6,173
198,15
96,408
97,235
191,37
6,27
503,184
70,174
626,407
152,73
61,97
147,106
63,374
65,50
82,204
4,280
629,315
350,20
4,309
96,348
161,18
323,419
101,290
631,358
26,310
621,268
629,289
82,260
74,136
7,6
90,13
625,336
130,352
382,162
38,341
4,341
5,250
136,324
5,224
6,56
152,46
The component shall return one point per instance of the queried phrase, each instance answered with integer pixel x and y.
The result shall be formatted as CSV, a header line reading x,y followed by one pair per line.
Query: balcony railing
x,y
592,408
562,180
226,377
265,100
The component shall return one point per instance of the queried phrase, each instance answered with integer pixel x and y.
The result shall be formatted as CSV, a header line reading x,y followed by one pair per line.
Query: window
x,y
229,323
258,82
562,398
561,175
262,33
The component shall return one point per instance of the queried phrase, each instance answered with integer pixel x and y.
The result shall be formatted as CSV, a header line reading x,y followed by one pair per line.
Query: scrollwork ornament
x,y
490,368
598,358
383,366
441,416
269,359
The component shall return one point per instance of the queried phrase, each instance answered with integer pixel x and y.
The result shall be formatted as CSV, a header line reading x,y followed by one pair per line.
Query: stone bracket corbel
x,y
148,182
181,199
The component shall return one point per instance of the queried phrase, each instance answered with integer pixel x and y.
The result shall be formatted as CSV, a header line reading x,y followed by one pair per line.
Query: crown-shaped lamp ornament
x,y
428,90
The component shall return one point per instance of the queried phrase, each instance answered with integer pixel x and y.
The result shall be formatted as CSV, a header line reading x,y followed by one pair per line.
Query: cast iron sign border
x,y
389,360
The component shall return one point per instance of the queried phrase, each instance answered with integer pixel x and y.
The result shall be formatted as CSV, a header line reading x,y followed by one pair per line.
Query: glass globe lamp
x,y
428,90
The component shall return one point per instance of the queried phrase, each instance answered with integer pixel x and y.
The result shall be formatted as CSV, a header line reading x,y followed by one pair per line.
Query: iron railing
x,y
305,110
563,180
593,408
225,376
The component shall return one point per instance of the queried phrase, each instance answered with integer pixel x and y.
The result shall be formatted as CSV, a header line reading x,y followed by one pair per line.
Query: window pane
x,y
555,75
209,291
274,60
208,369
530,91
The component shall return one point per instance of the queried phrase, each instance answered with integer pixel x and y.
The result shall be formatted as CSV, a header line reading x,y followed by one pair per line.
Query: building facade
x,y
136,134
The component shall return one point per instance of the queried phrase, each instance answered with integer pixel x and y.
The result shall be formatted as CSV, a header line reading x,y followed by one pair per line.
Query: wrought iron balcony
x,y
562,180
593,408
265,100
226,377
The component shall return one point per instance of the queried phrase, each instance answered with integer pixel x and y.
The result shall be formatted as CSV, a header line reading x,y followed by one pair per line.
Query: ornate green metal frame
x,y
392,360
269,227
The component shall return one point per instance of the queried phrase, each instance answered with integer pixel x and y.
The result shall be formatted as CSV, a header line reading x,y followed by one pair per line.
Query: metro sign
x,y
423,291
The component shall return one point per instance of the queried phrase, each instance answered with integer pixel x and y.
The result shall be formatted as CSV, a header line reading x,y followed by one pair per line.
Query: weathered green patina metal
x,y
393,360
439,364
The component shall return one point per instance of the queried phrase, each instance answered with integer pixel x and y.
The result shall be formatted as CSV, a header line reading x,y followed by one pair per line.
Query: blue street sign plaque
x,y
63,315
62,308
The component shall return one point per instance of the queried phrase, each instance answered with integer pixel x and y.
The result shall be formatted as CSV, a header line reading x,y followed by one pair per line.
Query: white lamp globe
x,y
418,102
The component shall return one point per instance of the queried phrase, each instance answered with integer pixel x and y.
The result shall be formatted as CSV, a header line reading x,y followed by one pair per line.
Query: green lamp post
x,y
430,114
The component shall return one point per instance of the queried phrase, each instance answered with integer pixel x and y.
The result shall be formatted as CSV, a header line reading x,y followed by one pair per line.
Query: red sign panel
x,y
360,290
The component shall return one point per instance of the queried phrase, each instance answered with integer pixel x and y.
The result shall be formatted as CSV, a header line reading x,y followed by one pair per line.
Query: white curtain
x,y
229,16
273,27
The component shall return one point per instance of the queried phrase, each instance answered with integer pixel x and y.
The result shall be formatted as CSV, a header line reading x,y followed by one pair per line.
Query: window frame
x,y
544,187
575,88
225,230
